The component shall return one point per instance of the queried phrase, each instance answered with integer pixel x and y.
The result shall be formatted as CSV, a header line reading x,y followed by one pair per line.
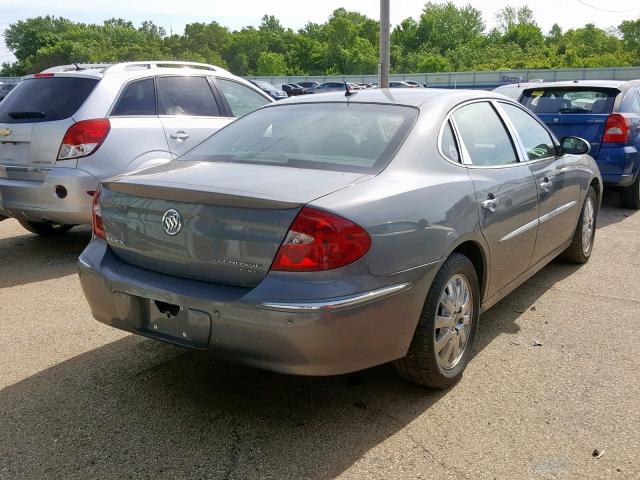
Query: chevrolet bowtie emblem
x,y
5,132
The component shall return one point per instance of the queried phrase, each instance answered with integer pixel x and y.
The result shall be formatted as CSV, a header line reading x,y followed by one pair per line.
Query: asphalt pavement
x,y
555,376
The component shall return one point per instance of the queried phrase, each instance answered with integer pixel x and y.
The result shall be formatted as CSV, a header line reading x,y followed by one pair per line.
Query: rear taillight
x,y
96,219
84,138
617,129
319,240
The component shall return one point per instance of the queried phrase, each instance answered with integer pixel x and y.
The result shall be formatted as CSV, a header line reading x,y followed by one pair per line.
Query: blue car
x,y
606,113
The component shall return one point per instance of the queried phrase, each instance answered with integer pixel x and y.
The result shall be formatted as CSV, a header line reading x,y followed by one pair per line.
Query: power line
x,y
584,2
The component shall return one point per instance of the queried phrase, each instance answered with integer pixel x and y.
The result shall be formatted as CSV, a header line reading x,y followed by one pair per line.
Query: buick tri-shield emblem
x,y
171,222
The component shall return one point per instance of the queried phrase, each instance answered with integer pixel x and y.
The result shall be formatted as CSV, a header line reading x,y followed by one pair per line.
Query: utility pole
x,y
385,39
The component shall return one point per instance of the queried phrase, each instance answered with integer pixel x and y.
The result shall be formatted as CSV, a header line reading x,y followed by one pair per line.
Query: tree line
x,y
444,38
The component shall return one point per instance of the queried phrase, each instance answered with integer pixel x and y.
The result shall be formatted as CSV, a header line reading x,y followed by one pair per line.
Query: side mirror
x,y
575,145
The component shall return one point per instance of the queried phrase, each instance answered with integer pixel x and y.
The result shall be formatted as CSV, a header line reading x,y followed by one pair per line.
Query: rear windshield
x,y
45,99
328,136
570,100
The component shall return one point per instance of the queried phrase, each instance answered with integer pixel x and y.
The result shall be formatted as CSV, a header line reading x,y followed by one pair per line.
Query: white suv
x,y
67,128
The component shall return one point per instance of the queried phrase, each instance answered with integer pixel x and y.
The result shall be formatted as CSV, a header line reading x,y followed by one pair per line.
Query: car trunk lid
x,y
209,221
587,126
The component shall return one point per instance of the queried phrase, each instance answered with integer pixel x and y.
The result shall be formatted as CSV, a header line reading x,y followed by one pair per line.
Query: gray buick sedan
x,y
327,234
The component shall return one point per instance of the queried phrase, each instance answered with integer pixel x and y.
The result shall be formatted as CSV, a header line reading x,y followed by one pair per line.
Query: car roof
x,y
413,97
617,84
138,68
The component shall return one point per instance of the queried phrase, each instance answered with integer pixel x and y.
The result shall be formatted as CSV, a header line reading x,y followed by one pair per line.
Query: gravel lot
x,y
81,400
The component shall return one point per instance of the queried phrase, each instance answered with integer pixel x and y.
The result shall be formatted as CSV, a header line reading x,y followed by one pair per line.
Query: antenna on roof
x,y
68,55
347,91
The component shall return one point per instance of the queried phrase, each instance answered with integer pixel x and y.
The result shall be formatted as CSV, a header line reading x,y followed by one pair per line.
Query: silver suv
x,y
64,130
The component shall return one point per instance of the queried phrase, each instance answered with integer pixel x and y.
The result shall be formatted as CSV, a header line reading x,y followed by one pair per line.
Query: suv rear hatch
x,y
578,111
230,222
34,120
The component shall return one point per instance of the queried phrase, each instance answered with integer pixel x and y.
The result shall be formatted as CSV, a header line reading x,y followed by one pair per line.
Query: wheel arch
x,y
597,186
479,256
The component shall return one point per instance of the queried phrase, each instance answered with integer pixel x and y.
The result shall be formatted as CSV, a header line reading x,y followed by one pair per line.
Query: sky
x,y
174,15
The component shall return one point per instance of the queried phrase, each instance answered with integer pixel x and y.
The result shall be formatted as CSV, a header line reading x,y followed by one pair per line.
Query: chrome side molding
x,y
538,221
345,302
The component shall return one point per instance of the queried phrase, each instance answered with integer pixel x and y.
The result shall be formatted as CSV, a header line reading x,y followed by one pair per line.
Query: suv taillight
x,y
96,218
84,138
617,129
319,240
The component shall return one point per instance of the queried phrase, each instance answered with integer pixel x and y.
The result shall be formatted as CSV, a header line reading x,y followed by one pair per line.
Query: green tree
x,y
446,37
271,64
444,26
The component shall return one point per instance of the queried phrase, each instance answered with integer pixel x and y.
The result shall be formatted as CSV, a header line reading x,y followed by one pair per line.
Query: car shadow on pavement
x,y
28,258
136,408
611,212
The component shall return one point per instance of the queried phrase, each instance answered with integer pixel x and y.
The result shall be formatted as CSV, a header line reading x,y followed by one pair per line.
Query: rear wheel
x,y
45,229
443,341
630,196
582,244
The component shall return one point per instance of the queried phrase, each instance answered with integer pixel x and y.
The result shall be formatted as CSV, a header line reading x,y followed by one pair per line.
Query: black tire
x,y
577,252
630,196
45,229
421,365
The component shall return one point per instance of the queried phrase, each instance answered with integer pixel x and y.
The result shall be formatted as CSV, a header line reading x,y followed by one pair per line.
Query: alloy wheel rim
x,y
453,321
587,225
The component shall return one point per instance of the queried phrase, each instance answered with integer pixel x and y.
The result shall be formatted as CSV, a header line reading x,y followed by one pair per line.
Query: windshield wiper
x,y
23,115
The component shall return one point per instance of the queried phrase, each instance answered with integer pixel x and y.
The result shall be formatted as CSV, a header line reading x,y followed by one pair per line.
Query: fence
x,y
485,80
463,79
9,79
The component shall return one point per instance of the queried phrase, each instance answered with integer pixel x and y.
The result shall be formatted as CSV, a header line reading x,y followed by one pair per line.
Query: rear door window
x,y
241,99
484,135
46,99
570,100
138,98
190,96
535,138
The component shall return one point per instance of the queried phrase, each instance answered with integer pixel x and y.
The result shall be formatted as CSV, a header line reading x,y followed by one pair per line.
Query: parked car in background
x,y
327,234
327,87
605,113
396,84
272,91
308,84
289,89
514,90
65,129
412,83
298,87
5,88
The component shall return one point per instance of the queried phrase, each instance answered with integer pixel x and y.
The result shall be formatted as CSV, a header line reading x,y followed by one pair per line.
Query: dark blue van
x,y
604,112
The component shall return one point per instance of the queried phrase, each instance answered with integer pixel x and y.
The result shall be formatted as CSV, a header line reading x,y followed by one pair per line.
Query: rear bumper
x,y
298,336
618,165
23,198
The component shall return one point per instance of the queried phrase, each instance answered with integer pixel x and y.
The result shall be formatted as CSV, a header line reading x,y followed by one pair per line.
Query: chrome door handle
x,y
490,204
180,135
546,186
